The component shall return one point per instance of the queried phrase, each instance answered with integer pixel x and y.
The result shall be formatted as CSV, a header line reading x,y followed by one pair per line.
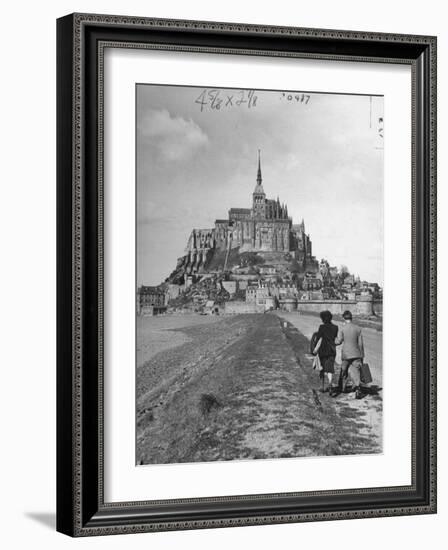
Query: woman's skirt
x,y
327,364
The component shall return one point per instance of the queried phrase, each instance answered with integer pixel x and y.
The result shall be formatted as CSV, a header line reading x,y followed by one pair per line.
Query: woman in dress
x,y
326,349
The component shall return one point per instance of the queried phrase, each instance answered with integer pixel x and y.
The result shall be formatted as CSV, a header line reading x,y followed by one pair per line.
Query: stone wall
x,y
337,307
235,308
378,307
288,304
243,277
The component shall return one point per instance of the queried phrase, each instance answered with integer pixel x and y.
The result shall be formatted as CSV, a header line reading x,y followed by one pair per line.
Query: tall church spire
x,y
259,179
259,196
259,187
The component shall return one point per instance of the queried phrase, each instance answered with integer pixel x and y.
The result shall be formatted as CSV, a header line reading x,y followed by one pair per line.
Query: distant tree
x,y
343,272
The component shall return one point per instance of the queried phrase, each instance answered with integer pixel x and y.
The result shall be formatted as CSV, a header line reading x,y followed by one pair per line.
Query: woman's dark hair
x,y
326,317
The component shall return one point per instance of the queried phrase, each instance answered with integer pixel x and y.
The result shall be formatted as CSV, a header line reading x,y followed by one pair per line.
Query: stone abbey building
x,y
265,228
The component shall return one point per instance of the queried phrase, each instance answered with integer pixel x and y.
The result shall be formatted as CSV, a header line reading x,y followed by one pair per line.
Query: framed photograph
x,y
246,274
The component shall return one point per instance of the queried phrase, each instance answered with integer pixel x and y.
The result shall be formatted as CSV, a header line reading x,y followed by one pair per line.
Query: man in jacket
x,y
350,336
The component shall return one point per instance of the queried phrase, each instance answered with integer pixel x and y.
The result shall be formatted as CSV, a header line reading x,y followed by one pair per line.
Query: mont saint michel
x,y
264,227
259,241
233,287
254,260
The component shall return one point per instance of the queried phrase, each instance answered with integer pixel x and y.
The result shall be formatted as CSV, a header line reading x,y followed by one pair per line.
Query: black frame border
x,y
81,39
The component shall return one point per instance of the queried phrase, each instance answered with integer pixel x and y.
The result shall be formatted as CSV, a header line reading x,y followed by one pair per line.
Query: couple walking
x,y
327,338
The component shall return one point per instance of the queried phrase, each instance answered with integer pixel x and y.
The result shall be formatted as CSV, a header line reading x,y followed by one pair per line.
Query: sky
x,y
197,149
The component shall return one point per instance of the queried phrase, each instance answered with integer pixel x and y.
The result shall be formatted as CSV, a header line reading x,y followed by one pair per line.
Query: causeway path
x,y
242,387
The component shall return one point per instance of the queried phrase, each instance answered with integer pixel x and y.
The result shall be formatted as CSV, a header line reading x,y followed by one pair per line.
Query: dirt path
x,y
238,389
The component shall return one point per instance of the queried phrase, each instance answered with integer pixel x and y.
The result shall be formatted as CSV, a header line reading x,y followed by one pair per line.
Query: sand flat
x,y
163,332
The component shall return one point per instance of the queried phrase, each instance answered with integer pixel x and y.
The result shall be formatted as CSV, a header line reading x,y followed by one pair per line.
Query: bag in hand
x,y
314,342
365,374
317,365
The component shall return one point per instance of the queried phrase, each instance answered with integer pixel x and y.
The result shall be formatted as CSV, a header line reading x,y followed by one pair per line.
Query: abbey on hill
x,y
264,228
256,260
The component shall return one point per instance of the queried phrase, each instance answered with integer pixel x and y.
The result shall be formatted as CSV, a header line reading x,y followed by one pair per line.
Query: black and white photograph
x,y
259,221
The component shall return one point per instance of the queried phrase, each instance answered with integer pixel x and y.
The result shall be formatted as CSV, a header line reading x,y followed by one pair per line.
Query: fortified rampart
x,y
238,307
378,307
362,306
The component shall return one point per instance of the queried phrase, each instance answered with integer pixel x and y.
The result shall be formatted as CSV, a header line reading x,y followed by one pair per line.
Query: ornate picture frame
x,y
81,506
